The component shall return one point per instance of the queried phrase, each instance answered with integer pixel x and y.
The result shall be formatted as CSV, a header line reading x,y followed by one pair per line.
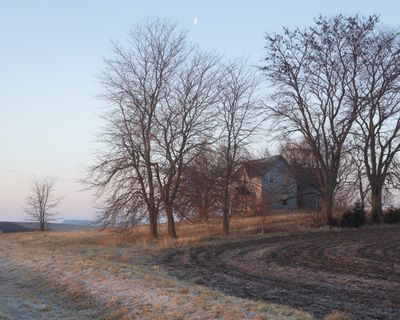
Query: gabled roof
x,y
257,168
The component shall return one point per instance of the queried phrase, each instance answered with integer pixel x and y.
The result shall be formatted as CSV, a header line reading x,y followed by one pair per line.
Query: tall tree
x,y
161,92
315,73
41,202
378,136
240,115
134,83
185,124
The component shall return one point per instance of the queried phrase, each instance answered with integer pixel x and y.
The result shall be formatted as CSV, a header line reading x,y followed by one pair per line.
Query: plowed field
x,y
353,271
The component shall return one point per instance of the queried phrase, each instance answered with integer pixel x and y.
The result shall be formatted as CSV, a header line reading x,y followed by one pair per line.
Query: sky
x,y
52,52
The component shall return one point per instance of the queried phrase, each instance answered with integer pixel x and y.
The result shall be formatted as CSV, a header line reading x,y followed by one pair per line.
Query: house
x,y
271,184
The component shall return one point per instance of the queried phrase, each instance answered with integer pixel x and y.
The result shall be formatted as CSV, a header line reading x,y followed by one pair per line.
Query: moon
x,y
195,20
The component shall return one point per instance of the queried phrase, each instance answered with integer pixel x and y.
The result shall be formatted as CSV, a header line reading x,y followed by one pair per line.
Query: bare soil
x,y
353,271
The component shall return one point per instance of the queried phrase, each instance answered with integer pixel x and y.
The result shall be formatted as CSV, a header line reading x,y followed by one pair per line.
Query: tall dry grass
x,y
192,232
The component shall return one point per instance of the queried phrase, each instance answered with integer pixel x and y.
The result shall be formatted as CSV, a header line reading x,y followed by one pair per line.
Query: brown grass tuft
x,y
337,315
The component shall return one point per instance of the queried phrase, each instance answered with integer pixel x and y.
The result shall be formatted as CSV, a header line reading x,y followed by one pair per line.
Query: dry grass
x,y
118,270
191,233
337,315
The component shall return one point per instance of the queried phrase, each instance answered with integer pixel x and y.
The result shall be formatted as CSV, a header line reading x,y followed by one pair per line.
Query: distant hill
x,y
7,227
56,226
78,222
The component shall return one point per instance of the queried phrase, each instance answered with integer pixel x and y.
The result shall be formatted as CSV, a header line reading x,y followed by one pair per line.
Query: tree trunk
x,y
41,221
225,211
153,224
225,221
171,223
361,188
327,207
376,203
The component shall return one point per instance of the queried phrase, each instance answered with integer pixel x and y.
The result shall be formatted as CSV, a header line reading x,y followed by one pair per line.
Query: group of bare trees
x,y
179,119
337,90
168,102
336,94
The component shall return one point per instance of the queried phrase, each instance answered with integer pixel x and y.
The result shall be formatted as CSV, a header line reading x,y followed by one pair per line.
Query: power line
x,y
36,175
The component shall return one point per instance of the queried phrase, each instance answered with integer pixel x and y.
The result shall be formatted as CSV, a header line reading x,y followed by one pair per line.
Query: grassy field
x,y
91,274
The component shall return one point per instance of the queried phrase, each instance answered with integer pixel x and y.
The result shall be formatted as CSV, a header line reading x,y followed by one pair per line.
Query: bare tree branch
x,y
240,116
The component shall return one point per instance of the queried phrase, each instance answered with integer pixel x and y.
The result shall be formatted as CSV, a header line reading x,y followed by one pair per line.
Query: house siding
x,y
256,187
279,187
271,185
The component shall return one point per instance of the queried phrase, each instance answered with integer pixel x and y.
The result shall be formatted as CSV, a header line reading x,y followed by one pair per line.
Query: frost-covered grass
x,y
117,273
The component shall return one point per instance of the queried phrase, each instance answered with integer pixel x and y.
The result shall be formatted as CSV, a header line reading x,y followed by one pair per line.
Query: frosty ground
x,y
92,274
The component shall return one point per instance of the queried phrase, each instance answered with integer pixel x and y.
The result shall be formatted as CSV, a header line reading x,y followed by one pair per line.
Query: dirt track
x,y
355,271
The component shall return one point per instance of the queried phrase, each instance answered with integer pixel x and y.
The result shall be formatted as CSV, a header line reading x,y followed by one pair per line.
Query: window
x,y
284,199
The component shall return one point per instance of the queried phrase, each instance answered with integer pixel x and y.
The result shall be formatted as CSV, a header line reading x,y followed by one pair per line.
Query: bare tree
x,y
240,115
348,180
161,93
316,73
357,179
302,162
378,136
41,202
134,83
185,124
198,197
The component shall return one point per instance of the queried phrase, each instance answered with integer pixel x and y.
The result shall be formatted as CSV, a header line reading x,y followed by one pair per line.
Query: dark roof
x,y
257,168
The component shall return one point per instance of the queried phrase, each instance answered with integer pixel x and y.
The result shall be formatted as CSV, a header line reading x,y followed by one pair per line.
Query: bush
x,y
354,217
391,215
